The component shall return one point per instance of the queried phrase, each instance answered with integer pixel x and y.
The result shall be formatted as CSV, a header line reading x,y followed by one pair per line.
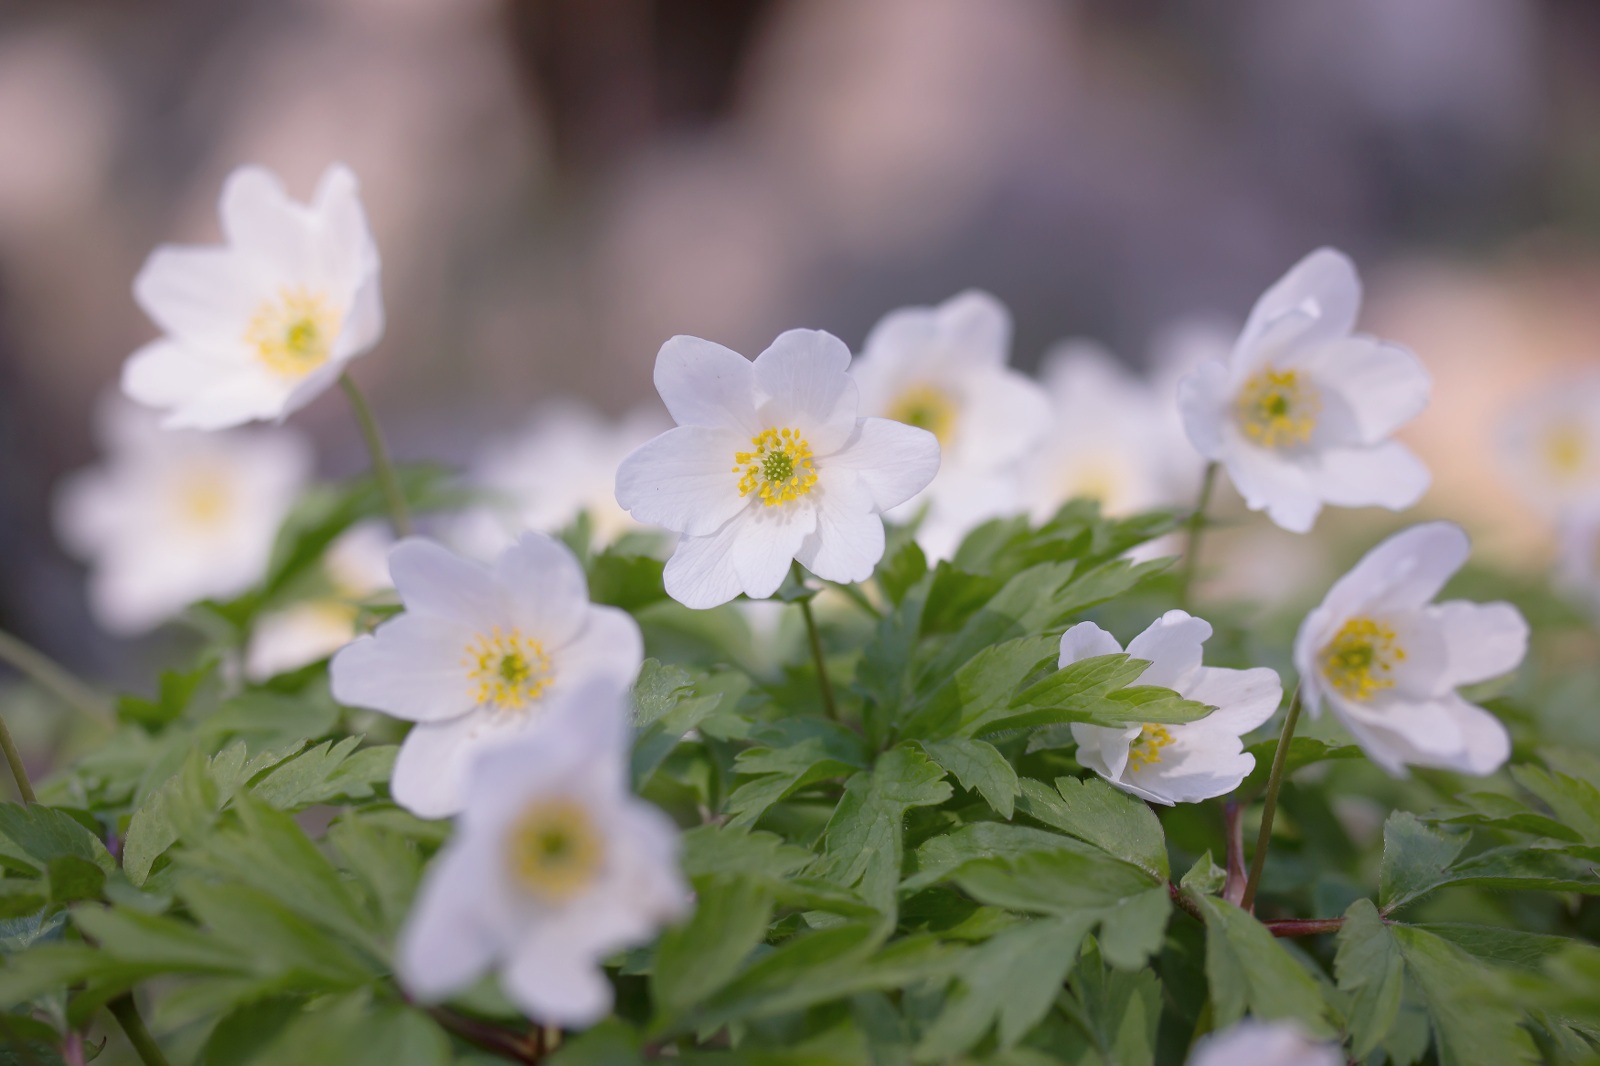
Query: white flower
x,y
354,567
1258,1043
1550,446
171,518
1387,660
769,463
1580,557
1175,763
257,328
553,867
561,464
944,369
1302,411
480,654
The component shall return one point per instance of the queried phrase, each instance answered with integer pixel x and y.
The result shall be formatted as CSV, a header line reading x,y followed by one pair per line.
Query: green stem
x,y
14,760
52,677
828,705
126,1012
1280,759
1196,527
382,464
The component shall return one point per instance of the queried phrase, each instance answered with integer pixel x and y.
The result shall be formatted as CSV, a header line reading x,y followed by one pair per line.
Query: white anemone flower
x,y
944,369
1184,763
1258,1043
1550,447
171,518
1387,660
1301,413
258,327
479,656
553,867
769,463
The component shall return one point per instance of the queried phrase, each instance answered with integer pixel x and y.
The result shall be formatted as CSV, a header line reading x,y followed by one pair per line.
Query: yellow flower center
x,y
293,334
554,850
1360,658
1278,408
1146,747
508,671
1565,449
926,408
204,499
778,468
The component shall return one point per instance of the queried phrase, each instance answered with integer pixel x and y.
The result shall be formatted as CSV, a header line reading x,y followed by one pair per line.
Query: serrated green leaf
x,y
1414,860
1468,1029
790,755
979,692
31,836
942,857
1370,969
697,958
979,766
901,569
326,773
713,849
1205,877
1250,972
1575,802
354,1031
72,878
1111,820
386,864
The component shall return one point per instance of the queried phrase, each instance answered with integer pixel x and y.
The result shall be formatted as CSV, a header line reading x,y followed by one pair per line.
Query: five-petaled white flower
x,y
769,463
1301,413
174,517
354,567
258,327
1257,1043
944,369
1175,763
480,654
1387,660
553,867
1550,447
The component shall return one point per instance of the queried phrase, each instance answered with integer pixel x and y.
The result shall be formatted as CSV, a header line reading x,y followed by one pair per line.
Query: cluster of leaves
x,y
927,877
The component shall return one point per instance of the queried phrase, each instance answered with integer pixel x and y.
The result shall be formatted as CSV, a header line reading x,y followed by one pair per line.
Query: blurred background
x,y
557,186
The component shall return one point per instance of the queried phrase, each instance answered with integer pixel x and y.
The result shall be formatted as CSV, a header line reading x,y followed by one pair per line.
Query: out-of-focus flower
x,y
354,567
1257,1043
1301,413
944,369
561,464
769,463
257,328
1387,660
1580,557
1176,763
553,867
170,518
1550,447
479,656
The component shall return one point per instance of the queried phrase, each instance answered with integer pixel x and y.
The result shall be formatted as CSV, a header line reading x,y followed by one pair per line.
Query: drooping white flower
x,y
259,326
944,369
1550,447
562,463
1175,763
769,463
553,867
354,567
1257,1043
480,654
1301,413
171,518
1387,660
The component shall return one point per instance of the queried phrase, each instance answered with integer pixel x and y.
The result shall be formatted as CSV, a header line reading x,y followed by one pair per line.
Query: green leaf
x,y
626,581
1205,877
1094,691
1060,883
1575,803
1414,860
611,1043
353,1031
1250,972
385,863
901,569
1471,1027
979,692
712,849
669,703
1110,819
1303,751
942,857
326,773
20,898
790,755
31,836
72,878
697,958
979,766
177,691
1370,969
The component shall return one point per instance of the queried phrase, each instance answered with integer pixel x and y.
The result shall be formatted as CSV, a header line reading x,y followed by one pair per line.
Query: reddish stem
x,y
1303,926
1233,888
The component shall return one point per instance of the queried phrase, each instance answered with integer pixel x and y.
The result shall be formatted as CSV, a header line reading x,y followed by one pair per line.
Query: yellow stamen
x,y
204,498
926,407
294,333
1278,408
508,671
779,469
1565,449
1146,747
1360,658
553,850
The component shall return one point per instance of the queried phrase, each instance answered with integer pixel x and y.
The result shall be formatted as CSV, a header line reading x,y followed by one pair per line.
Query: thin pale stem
x,y
382,464
1269,808
1196,529
826,685
1233,888
52,677
126,1012
14,760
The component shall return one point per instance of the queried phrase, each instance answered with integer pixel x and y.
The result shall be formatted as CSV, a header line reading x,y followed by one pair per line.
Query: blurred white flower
x,y
258,327
354,567
1301,413
769,463
1175,763
170,518
553,867
479,656
1550,446
563,462
1387,660
1579,565
944,369
1257,1043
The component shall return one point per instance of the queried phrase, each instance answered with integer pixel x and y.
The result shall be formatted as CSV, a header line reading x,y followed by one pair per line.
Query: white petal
x,y
260,220
1085,641
892,461
848,540
1203,401
1103,750
1396,733
1198,764
1383,385
347,257
545,589
1244,699
684,480
431,579
362,325
1171,644
1259,1043
1276,485
1385,475
1003,414
805,373
249,395
1486,743
769,539
205,296
1324,285
978,325
608,648
412,667
700,573
556,989
445,945
436,758
1482,640
1404,572
705,384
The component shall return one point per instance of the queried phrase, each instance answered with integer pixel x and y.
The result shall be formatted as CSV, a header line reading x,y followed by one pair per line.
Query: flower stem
x,y
1196,527
1233,887
126,1012
52,677
1280,759
382,464
828,705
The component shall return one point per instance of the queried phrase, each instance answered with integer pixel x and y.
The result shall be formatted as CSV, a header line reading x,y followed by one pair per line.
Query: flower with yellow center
x,y
1549,447
257,328
1360,659
1146,749
480,656
926,407
1278,408
778,468
553,850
